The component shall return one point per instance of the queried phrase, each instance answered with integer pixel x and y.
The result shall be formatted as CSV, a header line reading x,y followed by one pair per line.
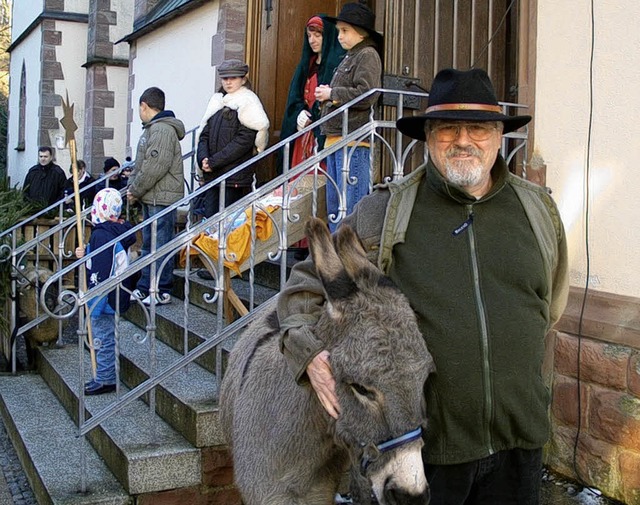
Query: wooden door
x,y
275,34
421,38
424,36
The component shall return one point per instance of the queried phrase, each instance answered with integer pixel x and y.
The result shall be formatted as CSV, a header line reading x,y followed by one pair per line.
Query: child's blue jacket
x,y
101,267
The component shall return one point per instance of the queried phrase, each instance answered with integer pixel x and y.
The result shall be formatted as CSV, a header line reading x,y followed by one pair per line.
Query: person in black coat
x,y
44,183
234,124
86,194
117,180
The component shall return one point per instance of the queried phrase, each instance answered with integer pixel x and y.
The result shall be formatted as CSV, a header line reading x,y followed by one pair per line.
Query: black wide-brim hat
x,y
458,95
359,15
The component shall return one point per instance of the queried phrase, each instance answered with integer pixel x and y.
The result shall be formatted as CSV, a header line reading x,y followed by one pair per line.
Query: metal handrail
x,y
225,213
58,204
97,182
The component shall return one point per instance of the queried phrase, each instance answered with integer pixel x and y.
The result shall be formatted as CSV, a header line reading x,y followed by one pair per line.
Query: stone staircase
x,y
173,455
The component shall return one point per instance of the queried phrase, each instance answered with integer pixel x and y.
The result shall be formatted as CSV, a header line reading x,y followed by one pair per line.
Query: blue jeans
x,y
166,230
510,477
359,169
103,328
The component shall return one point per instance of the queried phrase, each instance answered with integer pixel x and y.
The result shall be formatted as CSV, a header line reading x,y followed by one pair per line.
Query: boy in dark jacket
x,y
107,225
117,180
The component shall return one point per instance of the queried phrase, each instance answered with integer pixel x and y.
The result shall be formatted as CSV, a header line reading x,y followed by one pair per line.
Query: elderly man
x,y
481,256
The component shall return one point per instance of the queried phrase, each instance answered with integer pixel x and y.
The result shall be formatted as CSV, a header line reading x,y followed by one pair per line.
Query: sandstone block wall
x,y
595,409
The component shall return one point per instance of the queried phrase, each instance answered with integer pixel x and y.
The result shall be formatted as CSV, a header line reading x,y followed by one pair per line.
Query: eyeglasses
x,y
448,132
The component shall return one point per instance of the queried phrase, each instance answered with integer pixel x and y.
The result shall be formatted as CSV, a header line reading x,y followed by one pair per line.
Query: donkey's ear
x,y
353,256
336,281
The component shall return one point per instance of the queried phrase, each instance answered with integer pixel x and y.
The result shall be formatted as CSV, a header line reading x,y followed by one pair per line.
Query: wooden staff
x,y
70,127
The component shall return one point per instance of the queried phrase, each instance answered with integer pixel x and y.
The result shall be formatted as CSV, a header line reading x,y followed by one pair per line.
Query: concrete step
x,y
200,289
267,273
200,314
170,328
201,323
141,450
188,400
46,440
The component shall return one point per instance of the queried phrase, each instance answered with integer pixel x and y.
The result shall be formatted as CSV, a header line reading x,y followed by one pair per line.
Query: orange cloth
x,y
238,241
330,140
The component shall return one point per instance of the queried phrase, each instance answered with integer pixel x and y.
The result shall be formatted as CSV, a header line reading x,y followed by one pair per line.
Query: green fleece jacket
x,y
487,279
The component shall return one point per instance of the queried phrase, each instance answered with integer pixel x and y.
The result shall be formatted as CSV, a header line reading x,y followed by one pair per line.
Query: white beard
x,y
464,173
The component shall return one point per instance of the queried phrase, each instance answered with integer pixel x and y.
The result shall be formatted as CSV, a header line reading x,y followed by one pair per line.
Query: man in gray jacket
x,y
157,182
481,256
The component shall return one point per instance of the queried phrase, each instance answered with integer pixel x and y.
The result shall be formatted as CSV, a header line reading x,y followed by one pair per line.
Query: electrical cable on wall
x,y
587,252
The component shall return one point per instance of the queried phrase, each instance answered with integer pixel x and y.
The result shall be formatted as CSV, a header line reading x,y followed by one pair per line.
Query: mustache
x,y
456,151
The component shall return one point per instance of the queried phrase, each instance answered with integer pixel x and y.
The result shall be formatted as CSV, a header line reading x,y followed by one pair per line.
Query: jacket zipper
x,y
482,315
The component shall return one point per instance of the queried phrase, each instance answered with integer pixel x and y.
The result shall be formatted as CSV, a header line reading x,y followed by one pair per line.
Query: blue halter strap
x,y
389,445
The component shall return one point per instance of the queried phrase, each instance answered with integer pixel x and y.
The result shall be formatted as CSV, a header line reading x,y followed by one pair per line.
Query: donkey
x,y
286,449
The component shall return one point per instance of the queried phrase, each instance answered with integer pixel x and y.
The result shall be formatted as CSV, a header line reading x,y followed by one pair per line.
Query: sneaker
x,y
161,299
136,294
93,388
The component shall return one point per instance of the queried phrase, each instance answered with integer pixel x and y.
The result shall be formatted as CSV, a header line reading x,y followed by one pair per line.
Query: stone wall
x,y
228,42
99,93
51,71
598,376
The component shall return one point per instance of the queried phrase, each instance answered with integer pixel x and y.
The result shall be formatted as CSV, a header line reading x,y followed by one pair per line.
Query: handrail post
x,y
14,317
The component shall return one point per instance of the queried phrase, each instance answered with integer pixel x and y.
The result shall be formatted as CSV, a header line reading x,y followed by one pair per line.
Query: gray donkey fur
x,y
286,449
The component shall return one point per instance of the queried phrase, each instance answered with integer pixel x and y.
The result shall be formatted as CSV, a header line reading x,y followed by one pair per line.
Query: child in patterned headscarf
x,y
107,225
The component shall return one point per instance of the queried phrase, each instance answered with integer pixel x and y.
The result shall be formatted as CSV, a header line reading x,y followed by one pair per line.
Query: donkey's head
x,y
380,363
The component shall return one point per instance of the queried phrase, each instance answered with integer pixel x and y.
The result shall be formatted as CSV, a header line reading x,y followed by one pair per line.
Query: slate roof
x,y
162,13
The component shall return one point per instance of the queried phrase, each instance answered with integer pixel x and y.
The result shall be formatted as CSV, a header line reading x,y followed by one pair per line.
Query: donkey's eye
x,y
359,389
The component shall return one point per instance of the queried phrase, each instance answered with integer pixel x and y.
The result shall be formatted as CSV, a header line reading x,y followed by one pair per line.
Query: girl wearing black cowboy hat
x,y
359,71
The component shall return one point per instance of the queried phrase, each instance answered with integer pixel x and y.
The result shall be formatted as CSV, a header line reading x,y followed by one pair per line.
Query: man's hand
x,y
130,197
205,165
322,381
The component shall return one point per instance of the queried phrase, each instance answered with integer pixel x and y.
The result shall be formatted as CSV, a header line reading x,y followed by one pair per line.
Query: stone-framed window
x,y
22,111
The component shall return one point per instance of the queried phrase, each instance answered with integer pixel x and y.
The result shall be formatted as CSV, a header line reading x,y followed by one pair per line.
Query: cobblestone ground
x,y
16,480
